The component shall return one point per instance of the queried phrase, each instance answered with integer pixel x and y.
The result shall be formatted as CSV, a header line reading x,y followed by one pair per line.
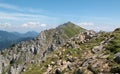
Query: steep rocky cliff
x,y
14,59
67,49
85,53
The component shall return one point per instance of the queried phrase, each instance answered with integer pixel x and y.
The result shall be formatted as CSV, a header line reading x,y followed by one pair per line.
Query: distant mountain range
x,y
9,38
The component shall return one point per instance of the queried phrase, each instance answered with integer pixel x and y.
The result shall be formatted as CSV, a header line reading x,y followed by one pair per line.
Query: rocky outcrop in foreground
x,y
75,60
84,53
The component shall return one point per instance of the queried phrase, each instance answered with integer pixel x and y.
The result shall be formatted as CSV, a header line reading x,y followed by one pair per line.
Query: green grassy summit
x,y
70,29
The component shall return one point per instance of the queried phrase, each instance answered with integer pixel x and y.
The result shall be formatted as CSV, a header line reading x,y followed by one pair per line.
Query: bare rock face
x,y
100,47
97,49
87,61
0,65
52,47
80,38
4,62
15,70
117,57
31,52
89,34
22,53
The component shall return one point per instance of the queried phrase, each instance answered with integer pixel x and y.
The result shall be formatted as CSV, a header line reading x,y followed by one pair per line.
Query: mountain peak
x,y
70,29
69,23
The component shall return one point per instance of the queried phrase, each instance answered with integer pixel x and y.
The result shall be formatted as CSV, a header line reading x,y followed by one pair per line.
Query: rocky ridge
x,y
84,53
67,49
14,59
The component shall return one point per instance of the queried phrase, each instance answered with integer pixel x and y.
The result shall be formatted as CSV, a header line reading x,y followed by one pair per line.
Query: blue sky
x,y
37,15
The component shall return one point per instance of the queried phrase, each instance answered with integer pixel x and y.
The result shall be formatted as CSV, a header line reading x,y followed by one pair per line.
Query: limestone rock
x,y
97,49
117,57
87,61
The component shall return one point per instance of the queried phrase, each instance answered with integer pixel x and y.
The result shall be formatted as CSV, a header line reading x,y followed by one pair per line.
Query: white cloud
x,y
21,16
43,25
18,15
34,10
30,25
21,9
8,6
5,25
86,24
97,27
18,22
33,25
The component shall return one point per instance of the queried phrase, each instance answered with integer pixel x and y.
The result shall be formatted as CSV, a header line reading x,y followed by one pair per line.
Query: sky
x,y
38,15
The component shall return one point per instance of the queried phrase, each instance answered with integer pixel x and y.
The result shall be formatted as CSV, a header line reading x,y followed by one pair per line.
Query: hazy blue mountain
x,y
9,38
4,35
17,33
30,34
27,34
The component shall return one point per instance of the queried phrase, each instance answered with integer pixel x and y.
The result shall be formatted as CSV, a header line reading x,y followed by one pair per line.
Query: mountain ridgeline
x,y
67,49
25,52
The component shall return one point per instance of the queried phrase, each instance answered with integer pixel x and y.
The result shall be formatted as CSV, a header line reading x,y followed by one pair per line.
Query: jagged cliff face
x,y
67,49
84,53
14,60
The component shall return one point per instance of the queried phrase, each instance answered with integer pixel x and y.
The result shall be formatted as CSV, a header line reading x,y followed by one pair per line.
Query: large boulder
x,y
117,57
33,50
86,62
89,34
52,47
59,41
97,49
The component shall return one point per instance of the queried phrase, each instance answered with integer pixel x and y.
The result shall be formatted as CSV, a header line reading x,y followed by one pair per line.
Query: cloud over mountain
x,y
96,26
33,25
36,26
86,24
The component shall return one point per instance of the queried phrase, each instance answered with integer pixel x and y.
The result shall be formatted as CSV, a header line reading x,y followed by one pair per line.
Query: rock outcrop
x,y
81,54
67,49
81,38
117,57
14,60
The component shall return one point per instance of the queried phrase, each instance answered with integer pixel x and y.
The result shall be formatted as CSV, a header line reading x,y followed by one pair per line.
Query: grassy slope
x,y
112,48
70,29
42,67
114,45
